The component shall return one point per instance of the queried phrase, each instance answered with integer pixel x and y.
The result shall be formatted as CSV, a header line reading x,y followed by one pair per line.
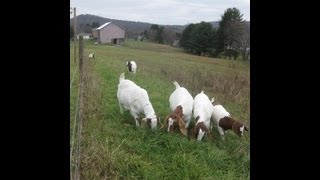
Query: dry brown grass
x,y
230,86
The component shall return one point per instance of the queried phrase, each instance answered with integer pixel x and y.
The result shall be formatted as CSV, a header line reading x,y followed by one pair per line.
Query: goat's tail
x,y
121,77
176,84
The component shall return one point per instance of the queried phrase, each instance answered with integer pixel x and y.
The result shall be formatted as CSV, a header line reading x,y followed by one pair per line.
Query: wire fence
x,y
78,118
74,74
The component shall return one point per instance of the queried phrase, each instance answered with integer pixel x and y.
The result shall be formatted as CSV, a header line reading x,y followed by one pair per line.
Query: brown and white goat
x,y
181,105
225,121
194,132
202,112
174,121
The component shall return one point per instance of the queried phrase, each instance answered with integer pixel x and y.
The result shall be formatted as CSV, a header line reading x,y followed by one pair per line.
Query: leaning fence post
x,y
80,55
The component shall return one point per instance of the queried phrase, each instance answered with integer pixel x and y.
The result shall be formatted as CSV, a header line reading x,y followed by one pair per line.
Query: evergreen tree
x,y
198,38
159,35
202,38
185,41
230,30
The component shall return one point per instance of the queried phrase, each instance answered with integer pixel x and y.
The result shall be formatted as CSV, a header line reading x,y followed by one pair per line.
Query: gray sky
x,y
163,12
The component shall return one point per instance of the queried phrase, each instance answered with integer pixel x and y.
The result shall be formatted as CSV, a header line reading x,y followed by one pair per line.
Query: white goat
x,y
91,56
136,100
181,104
202,112
225,122
132,66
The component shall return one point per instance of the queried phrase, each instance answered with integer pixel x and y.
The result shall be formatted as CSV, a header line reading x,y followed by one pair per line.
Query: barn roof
x,y
104,25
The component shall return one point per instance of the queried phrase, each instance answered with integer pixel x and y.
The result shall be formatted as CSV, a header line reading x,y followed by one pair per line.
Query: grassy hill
x,y
113,148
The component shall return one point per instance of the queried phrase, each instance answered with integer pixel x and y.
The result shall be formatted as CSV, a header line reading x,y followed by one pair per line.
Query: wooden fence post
x,y
74,35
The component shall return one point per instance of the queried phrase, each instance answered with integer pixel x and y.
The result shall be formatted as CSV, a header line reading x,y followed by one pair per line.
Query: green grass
x,y
113,148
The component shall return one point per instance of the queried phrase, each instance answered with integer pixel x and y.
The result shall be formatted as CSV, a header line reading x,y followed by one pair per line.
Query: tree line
x,y
230,39
160,34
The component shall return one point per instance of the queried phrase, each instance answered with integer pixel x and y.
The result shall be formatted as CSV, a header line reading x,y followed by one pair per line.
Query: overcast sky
x,y
163,12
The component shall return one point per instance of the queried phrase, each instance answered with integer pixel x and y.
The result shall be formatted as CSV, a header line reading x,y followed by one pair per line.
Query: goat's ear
x,y
143,122
203,127
182,127
146,121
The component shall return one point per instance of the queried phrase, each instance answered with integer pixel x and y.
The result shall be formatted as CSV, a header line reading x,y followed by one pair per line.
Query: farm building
x,y
85,35
109,33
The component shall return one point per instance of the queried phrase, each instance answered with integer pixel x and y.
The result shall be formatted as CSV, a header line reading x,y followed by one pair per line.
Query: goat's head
x,y
199,130
151,122
175,120
239,128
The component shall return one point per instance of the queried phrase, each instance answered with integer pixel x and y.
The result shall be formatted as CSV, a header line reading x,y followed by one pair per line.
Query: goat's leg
x,y
136,117
221,131
121,108
137,122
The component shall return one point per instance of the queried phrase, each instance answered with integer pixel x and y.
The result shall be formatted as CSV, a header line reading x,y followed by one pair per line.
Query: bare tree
x,y
245,44
231,28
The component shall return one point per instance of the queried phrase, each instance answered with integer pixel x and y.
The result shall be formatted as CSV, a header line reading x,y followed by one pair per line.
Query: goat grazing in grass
x,y
132,66
225,121
181,104
202,112
135,99
91,56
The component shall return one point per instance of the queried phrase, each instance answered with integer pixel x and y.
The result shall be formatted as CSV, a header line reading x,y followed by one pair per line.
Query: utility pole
x,y
74,35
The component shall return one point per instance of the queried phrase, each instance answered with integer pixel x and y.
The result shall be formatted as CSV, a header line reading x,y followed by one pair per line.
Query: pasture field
x,y
112,147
